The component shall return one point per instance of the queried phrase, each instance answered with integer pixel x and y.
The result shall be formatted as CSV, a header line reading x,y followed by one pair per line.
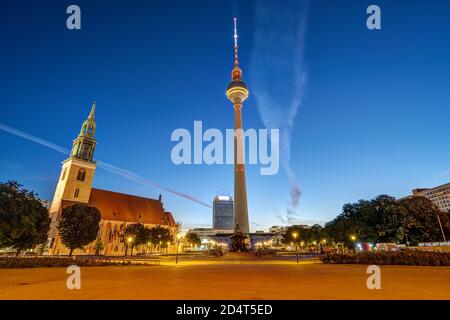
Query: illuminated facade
x,y
117,209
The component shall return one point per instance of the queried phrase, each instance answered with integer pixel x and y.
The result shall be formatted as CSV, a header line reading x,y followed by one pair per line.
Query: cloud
x,y
279,75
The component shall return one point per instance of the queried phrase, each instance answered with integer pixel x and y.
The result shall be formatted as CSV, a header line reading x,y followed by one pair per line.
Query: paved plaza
x,y
228,278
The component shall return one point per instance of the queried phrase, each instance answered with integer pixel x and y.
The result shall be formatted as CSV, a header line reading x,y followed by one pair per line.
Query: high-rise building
x,y
223,217
440,195
237,93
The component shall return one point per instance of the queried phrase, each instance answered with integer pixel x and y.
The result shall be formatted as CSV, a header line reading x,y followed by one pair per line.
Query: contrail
x,y
34,139
104,165
279,74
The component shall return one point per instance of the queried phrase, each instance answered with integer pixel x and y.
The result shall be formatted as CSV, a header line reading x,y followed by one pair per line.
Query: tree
x,y
24,221
386,219
160,236
192,238
288,237
421,221
134,235
78,226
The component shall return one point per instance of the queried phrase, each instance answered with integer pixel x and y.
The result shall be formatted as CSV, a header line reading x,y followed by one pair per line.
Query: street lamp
x,y
442,229
178,244
322,243
353,238
295,235
129,241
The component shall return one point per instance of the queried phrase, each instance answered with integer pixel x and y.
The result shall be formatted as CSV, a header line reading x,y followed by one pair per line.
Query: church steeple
x,y
84,145
88,127
77,173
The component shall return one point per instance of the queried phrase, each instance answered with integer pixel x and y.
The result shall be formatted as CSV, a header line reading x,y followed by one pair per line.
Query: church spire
x,y
84,145
92,113
88,127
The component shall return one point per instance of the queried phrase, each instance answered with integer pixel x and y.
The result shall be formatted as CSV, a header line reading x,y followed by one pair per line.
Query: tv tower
x,y
237,93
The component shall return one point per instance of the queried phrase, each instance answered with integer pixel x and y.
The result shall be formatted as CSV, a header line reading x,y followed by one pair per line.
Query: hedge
x,y
400,258
47,262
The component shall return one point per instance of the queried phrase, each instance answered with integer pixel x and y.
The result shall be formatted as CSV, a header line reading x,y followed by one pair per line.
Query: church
x,y
117,209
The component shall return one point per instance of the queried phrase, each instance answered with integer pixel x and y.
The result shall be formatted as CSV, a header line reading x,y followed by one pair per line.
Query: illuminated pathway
x,y
228,279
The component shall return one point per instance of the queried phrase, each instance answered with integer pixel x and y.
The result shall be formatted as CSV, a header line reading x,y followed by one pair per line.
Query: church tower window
x,y
81,174
77,192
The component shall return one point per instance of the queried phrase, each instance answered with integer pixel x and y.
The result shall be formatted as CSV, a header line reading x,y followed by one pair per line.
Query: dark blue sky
x,y
373,118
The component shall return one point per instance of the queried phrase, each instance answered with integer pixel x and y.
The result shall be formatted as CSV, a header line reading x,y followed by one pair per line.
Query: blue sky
x,y
373,117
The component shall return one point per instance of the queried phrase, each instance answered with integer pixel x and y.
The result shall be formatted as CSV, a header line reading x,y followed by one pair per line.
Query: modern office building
x,y
440,195
223,217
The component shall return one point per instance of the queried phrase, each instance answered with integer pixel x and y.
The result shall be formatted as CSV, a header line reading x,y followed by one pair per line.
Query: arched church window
x,y
81,174
77,192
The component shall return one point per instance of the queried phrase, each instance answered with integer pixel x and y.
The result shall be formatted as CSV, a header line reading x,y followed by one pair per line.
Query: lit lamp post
x,y
178,244
322,243
129,243
442,229
295,235
353,238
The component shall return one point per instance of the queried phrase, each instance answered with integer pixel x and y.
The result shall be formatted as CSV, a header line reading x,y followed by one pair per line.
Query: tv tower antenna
x,y
236,61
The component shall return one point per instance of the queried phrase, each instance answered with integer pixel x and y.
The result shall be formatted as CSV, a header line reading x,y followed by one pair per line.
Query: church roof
x,y
116,206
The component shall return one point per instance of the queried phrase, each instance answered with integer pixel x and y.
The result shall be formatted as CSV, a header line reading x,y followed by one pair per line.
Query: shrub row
x,y
216,252
47,262
401,258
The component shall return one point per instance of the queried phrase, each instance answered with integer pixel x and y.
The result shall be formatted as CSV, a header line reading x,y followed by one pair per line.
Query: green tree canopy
x,y
78,226
160,236
192,238
386,219
306,235
24,221
137,233
421,224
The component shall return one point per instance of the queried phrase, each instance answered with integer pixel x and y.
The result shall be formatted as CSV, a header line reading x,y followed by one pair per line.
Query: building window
x,y
77,191
81,174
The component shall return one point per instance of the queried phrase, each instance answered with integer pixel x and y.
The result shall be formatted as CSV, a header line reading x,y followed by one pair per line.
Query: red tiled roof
x,y
127,208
